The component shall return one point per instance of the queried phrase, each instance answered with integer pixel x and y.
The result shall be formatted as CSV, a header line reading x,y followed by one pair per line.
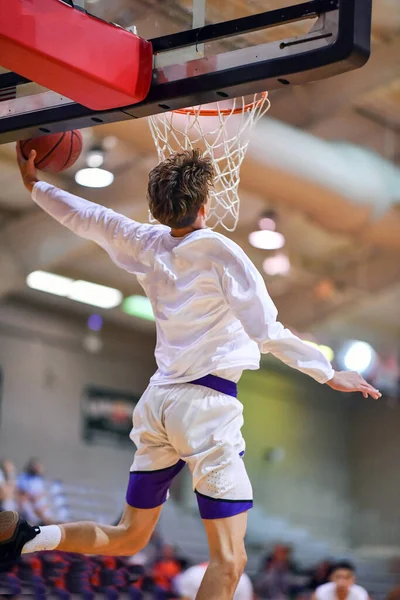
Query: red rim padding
x,y
66,50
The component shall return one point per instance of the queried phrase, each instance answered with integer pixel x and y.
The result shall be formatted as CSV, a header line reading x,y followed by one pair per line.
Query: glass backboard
x,y
204,50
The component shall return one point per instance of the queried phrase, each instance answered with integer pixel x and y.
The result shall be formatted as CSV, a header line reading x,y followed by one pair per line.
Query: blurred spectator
x,y
8,500
342,585
187,584
321,575
394,594
279,576
33,488
281,554
166,568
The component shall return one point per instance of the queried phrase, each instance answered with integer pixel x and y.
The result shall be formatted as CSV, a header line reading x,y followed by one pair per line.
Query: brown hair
x,y
179,186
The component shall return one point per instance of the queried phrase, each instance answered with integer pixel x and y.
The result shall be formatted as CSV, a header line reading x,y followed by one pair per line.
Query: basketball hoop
x,y
221,132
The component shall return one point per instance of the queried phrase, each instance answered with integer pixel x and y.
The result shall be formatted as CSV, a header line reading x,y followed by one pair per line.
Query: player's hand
x,y
27,168
350,381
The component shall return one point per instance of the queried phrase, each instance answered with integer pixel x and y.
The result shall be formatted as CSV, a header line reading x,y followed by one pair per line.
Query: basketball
x,y
55,152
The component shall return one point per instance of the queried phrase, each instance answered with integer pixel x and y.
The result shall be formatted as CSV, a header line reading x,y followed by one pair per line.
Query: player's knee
x,y
231,566
132,540
240,561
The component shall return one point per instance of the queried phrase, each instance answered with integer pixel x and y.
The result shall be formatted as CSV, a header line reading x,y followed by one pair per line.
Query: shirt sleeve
x,y
247,295
122,238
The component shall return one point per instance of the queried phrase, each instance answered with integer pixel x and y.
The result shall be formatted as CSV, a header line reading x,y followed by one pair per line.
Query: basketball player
x,y
342,586
213,317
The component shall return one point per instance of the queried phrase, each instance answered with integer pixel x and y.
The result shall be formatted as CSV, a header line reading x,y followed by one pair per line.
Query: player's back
x,y
197,332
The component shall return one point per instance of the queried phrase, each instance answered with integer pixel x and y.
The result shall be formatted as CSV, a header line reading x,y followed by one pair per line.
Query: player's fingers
x,y
370,391
32,156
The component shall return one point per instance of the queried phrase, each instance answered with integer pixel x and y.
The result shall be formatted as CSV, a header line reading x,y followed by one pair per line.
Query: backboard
x,y
203,50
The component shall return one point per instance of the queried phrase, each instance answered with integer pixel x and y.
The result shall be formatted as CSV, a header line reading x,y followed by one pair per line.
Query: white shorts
x,y
195,424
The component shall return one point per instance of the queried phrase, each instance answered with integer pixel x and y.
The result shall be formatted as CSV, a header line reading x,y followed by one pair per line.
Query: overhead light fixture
x,y
94,294
268,220
277,265
95,322
267,223
49,282
78,290
359,356
94,177
95,158
92,343
138,306
266,240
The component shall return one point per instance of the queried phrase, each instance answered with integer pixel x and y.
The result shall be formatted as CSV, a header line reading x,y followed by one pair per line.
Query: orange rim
x,y
209,112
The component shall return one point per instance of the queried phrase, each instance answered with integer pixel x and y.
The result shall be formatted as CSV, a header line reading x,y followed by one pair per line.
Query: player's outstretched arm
x,y
249,299
119,236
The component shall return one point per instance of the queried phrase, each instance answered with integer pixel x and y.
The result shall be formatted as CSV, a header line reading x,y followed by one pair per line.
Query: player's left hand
x,y
27,168
350,381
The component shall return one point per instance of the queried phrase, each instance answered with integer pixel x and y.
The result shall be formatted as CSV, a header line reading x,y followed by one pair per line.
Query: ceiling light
x,y
266,240
95,322
80,291
94,294
95,158
49,282
138,306
267,223
277,265
359,356
92,343
94,178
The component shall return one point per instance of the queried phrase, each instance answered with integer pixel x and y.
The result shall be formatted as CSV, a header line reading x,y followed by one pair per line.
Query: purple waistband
x,y
219,384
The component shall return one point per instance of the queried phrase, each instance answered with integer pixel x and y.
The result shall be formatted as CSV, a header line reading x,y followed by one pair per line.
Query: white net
x,y
221,132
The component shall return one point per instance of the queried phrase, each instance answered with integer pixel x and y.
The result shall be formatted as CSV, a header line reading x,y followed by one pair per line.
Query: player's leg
x,y
154,466
127,538
227,557
204,426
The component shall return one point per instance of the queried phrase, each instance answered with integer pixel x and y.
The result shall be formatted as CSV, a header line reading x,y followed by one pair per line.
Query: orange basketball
x,y
55,152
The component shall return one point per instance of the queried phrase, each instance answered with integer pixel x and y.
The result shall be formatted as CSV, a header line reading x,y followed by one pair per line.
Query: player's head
x,y
34,467
179,188
343,574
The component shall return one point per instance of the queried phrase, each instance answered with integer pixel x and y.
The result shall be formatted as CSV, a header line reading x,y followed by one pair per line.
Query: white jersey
x,y
187,584
328,592
211,306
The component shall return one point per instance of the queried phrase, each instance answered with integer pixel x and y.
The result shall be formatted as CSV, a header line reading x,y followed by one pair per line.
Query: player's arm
x,y
117,234
247,295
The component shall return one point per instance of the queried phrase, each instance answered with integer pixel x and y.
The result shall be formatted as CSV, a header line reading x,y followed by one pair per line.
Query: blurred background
x,y
320,218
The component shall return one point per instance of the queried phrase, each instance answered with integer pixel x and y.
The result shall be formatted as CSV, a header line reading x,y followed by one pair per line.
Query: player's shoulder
x,y
211,240
155,228
150,232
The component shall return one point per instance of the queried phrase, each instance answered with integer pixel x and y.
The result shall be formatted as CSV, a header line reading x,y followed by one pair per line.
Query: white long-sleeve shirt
x,y
211,306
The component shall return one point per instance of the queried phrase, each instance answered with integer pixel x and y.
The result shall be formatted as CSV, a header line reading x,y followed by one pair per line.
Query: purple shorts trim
x,y
148,489
219,384
216,508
